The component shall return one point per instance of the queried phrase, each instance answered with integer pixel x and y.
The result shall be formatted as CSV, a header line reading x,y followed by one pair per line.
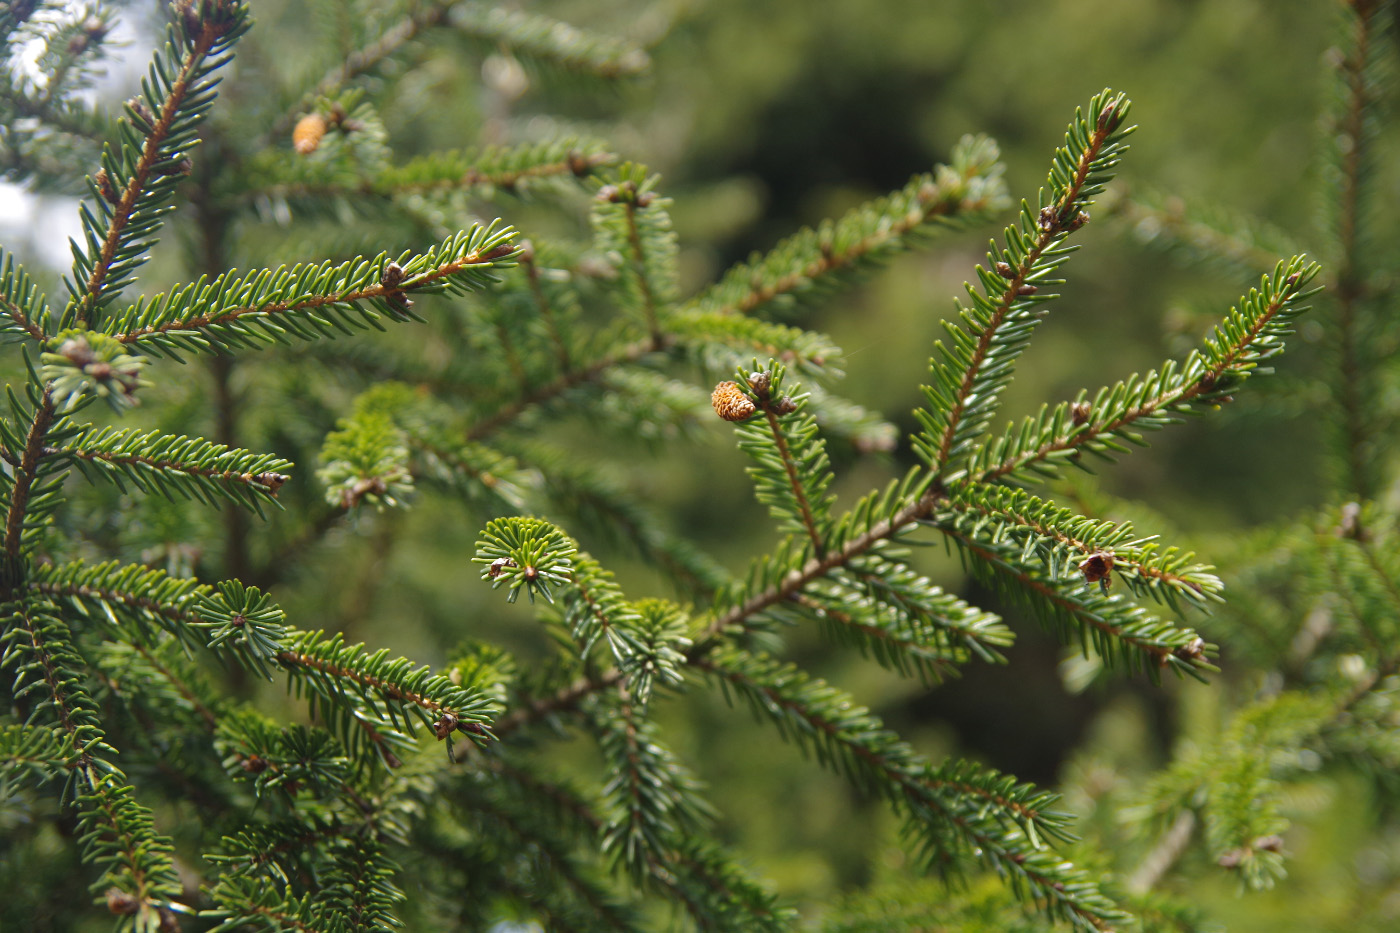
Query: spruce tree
x,y
484,313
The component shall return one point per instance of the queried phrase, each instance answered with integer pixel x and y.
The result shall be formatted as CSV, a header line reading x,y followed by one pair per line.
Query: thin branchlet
x,y
1055,222
210,32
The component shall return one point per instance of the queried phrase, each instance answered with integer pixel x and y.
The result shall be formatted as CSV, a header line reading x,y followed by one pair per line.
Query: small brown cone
x,y
731,403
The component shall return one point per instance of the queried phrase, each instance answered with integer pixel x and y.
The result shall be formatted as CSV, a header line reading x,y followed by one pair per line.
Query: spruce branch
x,y
970,372
791,472
157,134
175,467
1250,334
1363,86
1076,609
653,799
631,223
32,491
1201,233
519,170
898,617
1070,543
117,833
309,302
137,601
24,310
549,43
994,816
347,686
813,262
580,376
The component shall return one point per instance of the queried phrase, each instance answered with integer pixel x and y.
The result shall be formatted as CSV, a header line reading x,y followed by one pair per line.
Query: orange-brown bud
x,y
306,137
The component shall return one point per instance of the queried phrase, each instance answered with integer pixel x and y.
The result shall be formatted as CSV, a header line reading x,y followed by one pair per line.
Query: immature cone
x,y
306,137
730,402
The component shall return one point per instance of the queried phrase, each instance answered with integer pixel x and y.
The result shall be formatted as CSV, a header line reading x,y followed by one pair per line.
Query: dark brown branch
x,y
1350,287
25,476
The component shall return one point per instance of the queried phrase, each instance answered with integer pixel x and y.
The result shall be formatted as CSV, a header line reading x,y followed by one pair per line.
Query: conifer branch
x,y
1357,128
517,170
812,261
332,672
420,18
309,302
583,375
1114,624
977,364
1202,233
1249,335
791,472
24,310
998,818
118,833
132,594
549,42
142,181
26,474
1096,549
175,466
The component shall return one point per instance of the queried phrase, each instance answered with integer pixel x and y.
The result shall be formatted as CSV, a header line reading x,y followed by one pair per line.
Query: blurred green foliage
x,y
762,117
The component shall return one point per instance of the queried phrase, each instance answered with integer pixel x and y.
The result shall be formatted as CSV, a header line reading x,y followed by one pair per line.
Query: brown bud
x,y
1193,650
273,481
1004,269
499,565
578,163
141,115
1231,859
1098,568
760,382
445,725
306,137
1108,116
1269,843
391,275
104,187
1292,280
1079,413
254,764
784,406
731,403
607,193
77,351
1026,288
121,903
496,252
1078,220
645,198
1047,219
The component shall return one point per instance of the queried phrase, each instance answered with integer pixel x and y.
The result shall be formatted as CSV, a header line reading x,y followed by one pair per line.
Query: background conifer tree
x,y
350,349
